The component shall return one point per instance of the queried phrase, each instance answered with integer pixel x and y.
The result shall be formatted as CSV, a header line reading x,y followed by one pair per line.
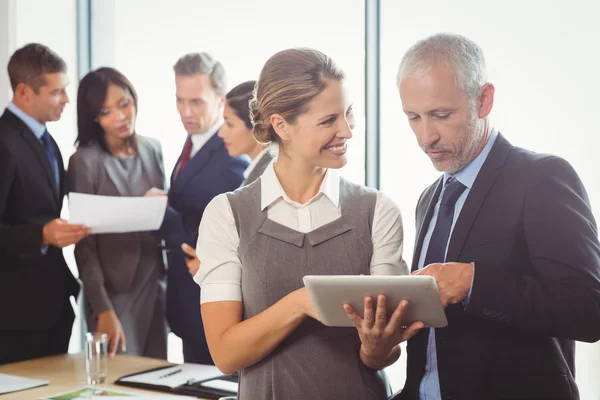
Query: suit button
x,y
426,368
486,311
493,314
507,319
501,316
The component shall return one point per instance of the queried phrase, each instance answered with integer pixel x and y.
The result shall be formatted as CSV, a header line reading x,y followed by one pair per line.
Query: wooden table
x,y
67,372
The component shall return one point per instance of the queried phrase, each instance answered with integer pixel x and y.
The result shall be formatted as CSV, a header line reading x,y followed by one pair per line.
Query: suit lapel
x,y
488,174
198,161
430,199
61,173
40,153
149,162
259,168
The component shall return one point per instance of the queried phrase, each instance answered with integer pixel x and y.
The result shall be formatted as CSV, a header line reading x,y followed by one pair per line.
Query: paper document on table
x,y
13,383
222,384
117,214
176,376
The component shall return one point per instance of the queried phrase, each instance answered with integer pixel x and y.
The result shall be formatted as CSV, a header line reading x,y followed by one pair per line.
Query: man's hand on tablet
x,y
453,280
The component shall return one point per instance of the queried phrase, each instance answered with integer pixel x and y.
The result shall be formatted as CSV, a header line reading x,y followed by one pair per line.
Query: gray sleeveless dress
x,y
315,361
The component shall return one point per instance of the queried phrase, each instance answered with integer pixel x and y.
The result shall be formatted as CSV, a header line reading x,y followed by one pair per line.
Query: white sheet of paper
x,y
222,385
117,214
13,383
170,377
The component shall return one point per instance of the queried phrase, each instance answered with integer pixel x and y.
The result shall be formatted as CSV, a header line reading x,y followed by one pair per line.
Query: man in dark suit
x,y
35,282
508,235
203,171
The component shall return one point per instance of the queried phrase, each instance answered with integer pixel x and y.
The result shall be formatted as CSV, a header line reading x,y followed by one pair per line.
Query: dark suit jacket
x,y
210,172
528,226
34,288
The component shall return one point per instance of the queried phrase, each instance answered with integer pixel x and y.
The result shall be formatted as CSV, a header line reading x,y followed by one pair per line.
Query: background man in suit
x,y
508,235
35,282
203,171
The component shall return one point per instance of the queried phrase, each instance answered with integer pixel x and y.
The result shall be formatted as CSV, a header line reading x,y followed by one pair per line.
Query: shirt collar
x,y
199,139
252,165
271,189
467,175
36,126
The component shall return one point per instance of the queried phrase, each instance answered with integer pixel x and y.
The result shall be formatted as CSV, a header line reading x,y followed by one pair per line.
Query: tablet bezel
x,y
329,293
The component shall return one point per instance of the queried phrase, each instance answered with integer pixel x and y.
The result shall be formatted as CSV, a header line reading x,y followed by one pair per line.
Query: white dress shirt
x,y
220,274
200,139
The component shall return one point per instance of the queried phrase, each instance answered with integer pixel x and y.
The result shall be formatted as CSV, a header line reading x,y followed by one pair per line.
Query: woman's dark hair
x,y
238,99
90,100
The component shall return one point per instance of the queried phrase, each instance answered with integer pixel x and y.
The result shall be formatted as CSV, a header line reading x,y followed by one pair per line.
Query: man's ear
x,y
486,100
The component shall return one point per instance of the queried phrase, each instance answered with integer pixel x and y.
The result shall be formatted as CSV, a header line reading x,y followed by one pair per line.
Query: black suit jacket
x,y
528,227
34,287
209,173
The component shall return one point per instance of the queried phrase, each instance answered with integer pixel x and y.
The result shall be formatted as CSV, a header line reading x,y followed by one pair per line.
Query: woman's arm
x,y
388,238
235,343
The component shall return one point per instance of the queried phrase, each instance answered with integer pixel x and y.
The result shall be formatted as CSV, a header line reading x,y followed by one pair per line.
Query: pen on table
x,y
170,373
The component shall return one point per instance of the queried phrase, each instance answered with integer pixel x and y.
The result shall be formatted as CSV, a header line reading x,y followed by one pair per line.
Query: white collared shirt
x,y
200,139
220,274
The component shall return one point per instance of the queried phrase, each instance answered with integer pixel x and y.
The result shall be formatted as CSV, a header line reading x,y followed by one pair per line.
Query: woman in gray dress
x,y
299,218
122,273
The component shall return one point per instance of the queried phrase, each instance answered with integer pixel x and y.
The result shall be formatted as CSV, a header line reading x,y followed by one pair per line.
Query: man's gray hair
x,y
203,63
457,52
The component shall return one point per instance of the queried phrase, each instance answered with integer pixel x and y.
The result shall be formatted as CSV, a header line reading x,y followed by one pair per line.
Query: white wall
x,y
543,58
145,42
7,46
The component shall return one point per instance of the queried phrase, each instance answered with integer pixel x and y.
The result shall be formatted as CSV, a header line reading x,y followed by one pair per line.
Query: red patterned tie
x,y
185,156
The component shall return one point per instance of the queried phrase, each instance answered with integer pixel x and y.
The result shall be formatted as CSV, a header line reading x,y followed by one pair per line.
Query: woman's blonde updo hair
x,y
288,82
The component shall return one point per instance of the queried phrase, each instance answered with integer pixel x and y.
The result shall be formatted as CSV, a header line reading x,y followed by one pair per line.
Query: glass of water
x,y
96,357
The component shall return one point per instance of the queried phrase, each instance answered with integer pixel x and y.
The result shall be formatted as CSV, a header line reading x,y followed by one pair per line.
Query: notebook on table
x,y
187,379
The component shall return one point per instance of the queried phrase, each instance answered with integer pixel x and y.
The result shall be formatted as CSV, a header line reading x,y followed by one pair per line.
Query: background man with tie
x,y
508,235
35,282
203,171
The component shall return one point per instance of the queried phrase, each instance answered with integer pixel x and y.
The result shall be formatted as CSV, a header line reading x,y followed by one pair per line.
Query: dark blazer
x,y
34,287
528,227
209,173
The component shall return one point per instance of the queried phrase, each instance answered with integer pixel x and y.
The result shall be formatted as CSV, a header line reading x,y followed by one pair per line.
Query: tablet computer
x,y
329,293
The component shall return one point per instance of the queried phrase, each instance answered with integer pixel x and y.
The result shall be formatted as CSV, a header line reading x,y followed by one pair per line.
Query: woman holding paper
x,y
298,219
122,273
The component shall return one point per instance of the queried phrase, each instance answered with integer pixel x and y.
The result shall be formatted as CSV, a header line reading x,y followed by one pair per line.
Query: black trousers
x,y
25,345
